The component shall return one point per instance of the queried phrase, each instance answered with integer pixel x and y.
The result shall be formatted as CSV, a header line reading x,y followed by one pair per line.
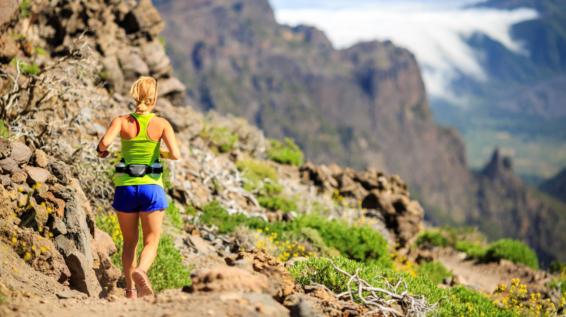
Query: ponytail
x,y
144,92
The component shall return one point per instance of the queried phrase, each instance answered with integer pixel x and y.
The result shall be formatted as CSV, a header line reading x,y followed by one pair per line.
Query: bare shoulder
x,y
162,122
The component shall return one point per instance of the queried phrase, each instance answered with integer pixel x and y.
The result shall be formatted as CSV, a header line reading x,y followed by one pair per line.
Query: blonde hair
x,y
144,92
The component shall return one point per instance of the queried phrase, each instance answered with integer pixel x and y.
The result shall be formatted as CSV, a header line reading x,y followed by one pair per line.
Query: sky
x,y
435,30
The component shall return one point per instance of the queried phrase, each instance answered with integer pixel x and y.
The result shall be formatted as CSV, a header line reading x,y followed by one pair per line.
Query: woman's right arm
x,y
109,136
171,142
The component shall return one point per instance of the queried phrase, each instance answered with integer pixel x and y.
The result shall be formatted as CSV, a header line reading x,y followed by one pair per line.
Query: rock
x,y
114,74
5,149
144,18
19,177
170,85
107,274
61,171
68,294
37,174
41,158
58,227
132,64
40,214
103,243
8,165
21,153
225,278
59,204
156,58
8,11
5,180
77,210
83,277
199,245
305,306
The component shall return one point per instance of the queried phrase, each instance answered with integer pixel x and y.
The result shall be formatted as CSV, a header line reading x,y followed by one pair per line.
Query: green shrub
x,y
512,250
472,249
214,214
360,243
432,239
174,215
4,130
222,138
286,152
457,301
256,173
26,68
434,271
167,271
25,8
276,203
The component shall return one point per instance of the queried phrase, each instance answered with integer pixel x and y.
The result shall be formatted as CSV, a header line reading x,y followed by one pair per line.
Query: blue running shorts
x,y
139,198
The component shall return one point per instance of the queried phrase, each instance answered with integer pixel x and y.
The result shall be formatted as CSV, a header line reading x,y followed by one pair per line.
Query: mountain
x,y
556,186
364,106
520,105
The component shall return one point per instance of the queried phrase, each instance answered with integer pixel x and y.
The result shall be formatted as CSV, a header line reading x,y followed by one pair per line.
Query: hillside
x,y
365,106
556,186
251,229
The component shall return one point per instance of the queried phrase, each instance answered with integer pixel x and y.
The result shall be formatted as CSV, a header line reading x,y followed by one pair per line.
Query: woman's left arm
x,y
108,137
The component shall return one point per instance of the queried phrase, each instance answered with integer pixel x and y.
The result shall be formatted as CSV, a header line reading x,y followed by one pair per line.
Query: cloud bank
x,y
435,31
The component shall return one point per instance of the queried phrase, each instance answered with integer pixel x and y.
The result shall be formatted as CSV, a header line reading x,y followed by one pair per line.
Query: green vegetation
x,y
261,179
221,138
434,271
25,8
472,249
286,152
275,203
4,130
431,239
512,250
167,271
360,243
40,51
455,301
257,174
174,215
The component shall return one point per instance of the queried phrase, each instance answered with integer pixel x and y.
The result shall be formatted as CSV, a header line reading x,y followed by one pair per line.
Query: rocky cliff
x,y
556,186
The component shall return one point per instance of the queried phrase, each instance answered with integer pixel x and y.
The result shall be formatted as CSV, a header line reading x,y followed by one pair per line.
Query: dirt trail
x,y
482,277
169,303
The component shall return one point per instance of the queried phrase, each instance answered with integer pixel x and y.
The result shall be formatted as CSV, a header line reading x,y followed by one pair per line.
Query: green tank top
x,y
139,150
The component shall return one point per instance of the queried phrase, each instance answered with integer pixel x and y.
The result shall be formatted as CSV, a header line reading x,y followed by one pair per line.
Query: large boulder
x,y
83,276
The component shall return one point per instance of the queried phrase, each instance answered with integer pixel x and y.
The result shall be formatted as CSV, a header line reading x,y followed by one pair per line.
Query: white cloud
x,y
435,32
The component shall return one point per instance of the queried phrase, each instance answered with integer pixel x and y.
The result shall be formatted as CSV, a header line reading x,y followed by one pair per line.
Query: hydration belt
x,y
139,170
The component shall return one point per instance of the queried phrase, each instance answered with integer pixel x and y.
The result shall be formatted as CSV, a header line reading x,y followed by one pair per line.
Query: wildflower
x,y
27,256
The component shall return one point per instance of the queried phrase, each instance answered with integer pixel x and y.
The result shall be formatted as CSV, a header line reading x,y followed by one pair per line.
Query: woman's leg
x,y
151,227
129,226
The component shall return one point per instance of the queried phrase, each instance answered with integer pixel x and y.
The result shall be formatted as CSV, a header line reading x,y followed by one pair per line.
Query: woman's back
x,y
141,139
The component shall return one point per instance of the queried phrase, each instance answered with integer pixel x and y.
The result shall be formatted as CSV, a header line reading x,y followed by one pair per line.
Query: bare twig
x,y
381,300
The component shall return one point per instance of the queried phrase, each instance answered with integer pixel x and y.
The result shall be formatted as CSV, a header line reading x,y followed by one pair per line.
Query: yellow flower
x,y
27,256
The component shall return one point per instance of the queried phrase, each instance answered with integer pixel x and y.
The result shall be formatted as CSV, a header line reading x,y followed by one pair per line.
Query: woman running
x,y
139,191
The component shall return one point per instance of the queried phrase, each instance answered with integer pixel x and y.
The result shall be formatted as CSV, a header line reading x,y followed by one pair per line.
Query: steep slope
x,y
556,186
363,106
508,208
